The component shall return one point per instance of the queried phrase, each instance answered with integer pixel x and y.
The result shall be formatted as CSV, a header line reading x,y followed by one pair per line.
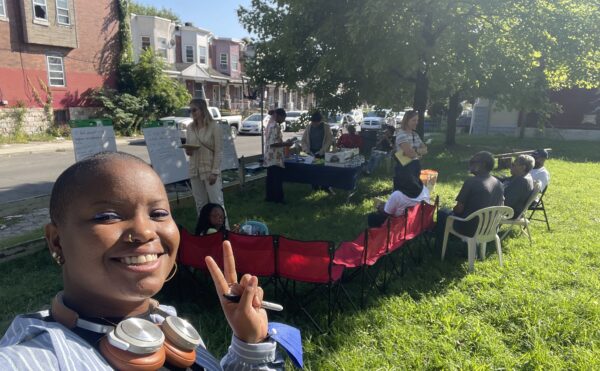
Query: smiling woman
x,y
116,243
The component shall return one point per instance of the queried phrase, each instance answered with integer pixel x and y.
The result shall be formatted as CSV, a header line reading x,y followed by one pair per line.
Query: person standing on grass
x,y
479,191
317,137
409,148
205,159
274,157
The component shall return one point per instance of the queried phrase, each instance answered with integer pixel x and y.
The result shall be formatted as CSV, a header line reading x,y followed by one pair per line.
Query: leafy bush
x,y
146,93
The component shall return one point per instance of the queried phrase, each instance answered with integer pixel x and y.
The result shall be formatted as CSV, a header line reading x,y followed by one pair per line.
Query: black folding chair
x,y
539,206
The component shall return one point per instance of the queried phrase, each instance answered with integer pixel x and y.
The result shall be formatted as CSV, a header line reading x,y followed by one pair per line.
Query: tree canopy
x,y
145,93
407,52
141,9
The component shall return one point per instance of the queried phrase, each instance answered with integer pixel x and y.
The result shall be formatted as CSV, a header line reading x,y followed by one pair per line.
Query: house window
x,y
161,49
56,71
145,42
234,62
198,90
62,12
189,54
223,61
2,8
202,54
40,10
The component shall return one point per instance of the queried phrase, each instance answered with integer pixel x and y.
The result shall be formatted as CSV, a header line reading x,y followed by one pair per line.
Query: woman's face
x,y
118,239
412,122
217,217
196,112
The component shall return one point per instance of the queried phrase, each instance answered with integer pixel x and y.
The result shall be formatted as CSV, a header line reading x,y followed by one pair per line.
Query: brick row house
x,y
71,46
210,67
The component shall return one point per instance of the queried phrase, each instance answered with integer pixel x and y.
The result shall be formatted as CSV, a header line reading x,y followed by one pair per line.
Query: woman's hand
x,y
422,150
212,179
247,319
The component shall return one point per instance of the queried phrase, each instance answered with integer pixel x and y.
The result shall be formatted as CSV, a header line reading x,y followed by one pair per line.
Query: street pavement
x,y
28,172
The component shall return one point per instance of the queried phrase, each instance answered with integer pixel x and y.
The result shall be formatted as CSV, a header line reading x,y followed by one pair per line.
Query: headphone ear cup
x,y
178,357
126,361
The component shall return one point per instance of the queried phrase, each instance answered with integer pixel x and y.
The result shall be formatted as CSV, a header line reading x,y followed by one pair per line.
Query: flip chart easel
x,y
164,148
91,137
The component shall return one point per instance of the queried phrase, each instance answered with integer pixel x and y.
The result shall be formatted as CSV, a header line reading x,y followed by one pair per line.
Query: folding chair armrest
x,y
452,217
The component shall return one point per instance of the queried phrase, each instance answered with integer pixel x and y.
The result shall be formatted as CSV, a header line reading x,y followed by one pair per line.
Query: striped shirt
x,y
32,343
410,137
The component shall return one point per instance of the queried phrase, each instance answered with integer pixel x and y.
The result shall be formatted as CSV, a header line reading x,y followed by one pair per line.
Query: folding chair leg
x,y
499,249
472,250
546,218
482,250
505,233
526,229
445,243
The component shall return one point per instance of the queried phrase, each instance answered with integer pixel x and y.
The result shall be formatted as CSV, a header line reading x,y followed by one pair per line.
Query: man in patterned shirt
x,y
274,157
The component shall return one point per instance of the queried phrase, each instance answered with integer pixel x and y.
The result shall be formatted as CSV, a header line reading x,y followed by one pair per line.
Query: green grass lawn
x,y
540,311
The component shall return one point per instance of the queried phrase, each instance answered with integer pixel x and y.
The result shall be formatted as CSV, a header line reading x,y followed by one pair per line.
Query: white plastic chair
x,y
522,220
487,231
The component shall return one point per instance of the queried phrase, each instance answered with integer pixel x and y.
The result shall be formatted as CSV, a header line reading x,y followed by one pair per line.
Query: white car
x,y
183,118
251,124
357,116
291,117
374,120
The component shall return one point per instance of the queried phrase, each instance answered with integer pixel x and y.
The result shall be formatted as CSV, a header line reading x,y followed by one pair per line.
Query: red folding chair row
x,y
373,244
276,257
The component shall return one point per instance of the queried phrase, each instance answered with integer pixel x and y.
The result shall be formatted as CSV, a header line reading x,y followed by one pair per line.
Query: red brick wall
x,y
91,65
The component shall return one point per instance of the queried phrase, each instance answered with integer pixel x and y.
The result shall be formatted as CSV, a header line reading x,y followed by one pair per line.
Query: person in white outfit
x,y
205,147
411,191
539,172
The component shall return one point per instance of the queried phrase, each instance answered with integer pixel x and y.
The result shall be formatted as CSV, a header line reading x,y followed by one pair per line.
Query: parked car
x,y
463,123
183,119
357,116
251,124
374,120
339,121
291,118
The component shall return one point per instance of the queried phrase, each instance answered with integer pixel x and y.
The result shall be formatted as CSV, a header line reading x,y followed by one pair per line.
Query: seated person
x,y
519,186
350,139
317,137
116,243
211,220
539,172
411,192
383,146
477,192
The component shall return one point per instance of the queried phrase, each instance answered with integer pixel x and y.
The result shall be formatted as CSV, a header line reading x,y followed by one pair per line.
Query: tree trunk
x,y
521,123
420,99
453,113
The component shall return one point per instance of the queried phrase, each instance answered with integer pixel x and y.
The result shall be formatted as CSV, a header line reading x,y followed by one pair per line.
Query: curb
x,y
57,146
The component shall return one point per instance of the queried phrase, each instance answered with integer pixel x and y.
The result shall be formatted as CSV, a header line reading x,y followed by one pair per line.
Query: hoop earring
x,y
172,273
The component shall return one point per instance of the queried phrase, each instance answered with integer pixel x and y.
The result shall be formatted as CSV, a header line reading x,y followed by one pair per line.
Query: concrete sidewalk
x,y
55,146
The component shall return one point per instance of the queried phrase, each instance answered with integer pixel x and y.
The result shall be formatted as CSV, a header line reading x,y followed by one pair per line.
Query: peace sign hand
x,y
247,319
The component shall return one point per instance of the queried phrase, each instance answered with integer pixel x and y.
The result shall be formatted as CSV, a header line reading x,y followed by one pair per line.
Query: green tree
x,y
141,9
146,93
399,52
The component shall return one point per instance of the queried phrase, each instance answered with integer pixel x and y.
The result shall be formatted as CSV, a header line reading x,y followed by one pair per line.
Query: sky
x,y
216,16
